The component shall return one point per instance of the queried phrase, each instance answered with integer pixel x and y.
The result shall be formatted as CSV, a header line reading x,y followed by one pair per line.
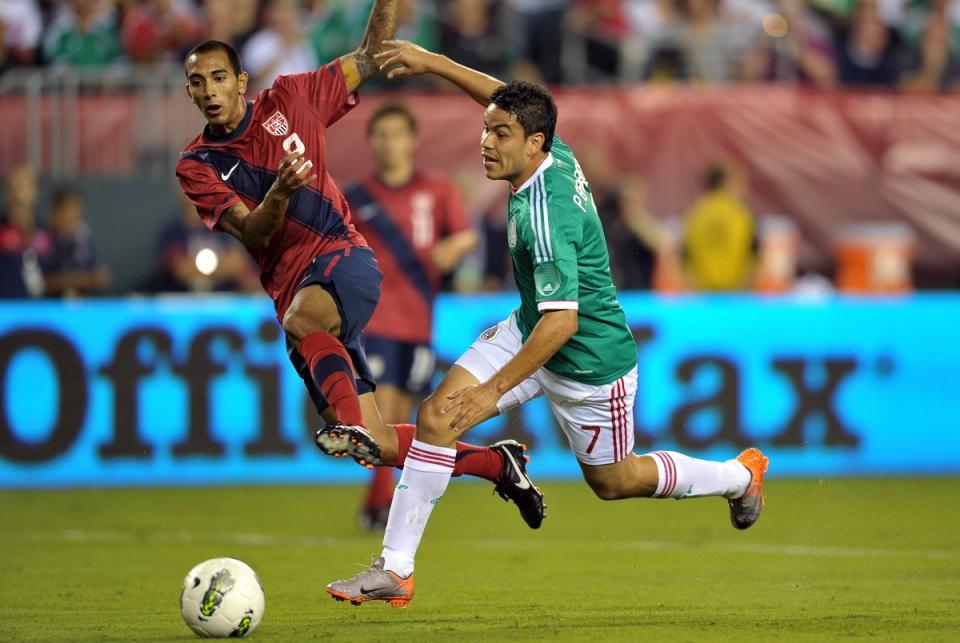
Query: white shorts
x,y
597,420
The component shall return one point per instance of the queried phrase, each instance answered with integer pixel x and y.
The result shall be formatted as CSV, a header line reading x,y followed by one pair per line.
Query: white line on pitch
x,y
99,536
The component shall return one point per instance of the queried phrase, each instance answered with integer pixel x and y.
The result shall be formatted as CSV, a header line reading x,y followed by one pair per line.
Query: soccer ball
x,y
222,597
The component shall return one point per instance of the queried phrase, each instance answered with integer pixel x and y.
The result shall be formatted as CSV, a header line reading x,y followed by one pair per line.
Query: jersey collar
x,y
241,128
544,164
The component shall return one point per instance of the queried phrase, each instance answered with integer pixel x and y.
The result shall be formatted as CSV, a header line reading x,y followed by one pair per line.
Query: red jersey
x,y
217,172
402,225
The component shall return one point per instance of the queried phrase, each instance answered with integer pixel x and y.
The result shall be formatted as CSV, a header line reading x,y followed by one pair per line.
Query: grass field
x,y
850,559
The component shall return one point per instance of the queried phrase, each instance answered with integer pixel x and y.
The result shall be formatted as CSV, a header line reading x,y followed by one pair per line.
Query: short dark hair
x,y
715,177
64,193
392,109
208,46
533,107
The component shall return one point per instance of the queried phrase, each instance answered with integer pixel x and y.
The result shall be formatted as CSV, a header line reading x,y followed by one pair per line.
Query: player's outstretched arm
x,y
254,228
404,58
359,65
470,405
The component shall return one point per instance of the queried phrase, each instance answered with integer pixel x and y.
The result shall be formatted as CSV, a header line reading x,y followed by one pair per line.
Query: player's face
x,y
215,89
392,142
507,151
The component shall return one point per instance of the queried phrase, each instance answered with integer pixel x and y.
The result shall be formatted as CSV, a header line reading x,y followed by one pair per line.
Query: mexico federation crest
x,y
512,233
490,333
277,124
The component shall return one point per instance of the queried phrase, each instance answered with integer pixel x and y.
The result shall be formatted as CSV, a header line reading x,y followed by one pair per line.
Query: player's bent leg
x,y
632,477
313,325
668,474
433,425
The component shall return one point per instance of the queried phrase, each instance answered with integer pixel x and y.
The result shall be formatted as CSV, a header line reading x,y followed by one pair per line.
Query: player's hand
x,y
294,173
470,405
405,59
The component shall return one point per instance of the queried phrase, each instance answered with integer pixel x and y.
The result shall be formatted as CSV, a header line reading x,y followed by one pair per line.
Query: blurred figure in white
x,y
280,48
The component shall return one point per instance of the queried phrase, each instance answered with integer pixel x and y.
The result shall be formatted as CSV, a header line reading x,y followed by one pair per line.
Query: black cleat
x,y
514,483
341,440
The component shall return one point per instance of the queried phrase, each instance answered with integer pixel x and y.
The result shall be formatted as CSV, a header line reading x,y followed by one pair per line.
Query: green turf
x,y
848,559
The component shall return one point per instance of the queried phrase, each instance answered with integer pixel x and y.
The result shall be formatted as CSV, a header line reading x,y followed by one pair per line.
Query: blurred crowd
x,y
714,247
910,44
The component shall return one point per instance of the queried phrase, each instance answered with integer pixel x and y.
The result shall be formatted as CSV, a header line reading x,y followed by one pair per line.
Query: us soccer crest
x,y
512,232
277,124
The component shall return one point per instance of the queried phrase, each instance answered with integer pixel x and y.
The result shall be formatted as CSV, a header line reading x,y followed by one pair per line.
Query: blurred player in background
x,y
568,340
295,223
419,230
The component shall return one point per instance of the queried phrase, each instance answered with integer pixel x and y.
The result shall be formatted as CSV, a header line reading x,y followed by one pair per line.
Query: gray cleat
x,y
341,440
374,584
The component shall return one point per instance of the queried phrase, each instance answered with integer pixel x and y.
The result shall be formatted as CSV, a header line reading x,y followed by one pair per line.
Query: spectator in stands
x,y
21,244
83,33
601,29
159,30
21,24
796,49
533,27
633,238
195,259
867,49
230,20
332,27
708,42
657,26
469,34
936,64
281,47
719,236
631,232
70,267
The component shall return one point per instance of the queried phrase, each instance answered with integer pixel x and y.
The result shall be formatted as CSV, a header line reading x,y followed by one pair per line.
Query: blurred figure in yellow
x,y
719,235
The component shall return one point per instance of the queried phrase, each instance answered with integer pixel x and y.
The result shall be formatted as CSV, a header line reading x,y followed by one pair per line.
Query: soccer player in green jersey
x,y
567,340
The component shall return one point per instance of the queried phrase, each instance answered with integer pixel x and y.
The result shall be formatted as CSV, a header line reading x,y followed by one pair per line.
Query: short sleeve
x,y
325,89
206,191
553,239
454,213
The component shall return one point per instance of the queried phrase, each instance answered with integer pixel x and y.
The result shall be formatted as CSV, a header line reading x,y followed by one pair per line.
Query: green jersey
x,y
560,262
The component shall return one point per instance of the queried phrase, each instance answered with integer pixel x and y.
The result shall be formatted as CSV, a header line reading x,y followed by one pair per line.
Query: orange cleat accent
x,y
392,589
745,510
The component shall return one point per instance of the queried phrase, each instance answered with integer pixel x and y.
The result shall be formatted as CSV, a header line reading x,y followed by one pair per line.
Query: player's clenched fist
x,y
294,173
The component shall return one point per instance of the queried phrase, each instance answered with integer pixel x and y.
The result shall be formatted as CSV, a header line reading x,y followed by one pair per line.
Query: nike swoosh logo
x,y
365,591
524,483
227,175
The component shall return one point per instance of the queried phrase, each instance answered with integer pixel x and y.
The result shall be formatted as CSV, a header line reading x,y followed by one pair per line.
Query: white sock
x,y
680,476
425,476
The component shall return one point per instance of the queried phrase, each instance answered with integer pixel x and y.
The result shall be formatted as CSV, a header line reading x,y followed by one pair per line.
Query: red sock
x,y
380,492
482,462
333,374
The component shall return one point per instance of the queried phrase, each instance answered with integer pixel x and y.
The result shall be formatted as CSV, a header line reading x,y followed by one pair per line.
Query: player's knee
x,y
430,421
297,325
606,489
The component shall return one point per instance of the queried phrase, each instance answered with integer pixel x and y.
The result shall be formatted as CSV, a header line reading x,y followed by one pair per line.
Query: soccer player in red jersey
x,y
258,172
416,224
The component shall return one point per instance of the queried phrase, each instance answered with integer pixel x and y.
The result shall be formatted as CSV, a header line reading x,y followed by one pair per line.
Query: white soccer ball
x,y
222,597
